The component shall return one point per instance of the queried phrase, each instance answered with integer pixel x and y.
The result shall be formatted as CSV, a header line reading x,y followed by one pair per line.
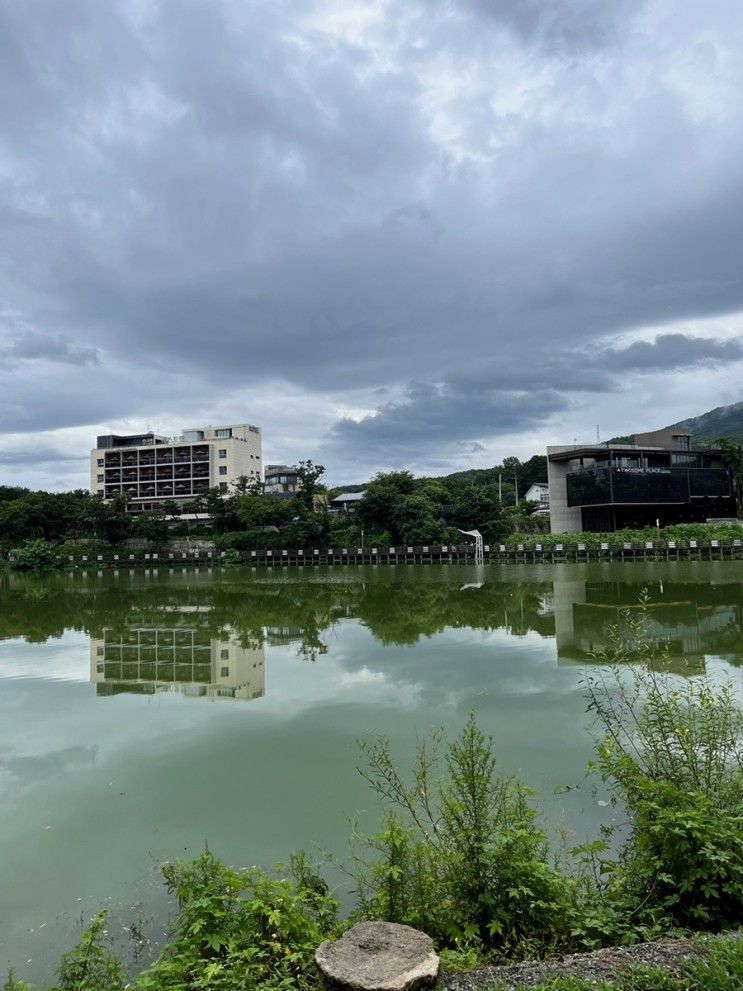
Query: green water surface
x,y
143,715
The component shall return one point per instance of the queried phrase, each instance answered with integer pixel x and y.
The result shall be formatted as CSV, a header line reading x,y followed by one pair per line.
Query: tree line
x,y
396,508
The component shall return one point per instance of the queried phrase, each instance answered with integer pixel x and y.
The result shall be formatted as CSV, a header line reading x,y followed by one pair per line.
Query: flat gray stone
x,y
379,956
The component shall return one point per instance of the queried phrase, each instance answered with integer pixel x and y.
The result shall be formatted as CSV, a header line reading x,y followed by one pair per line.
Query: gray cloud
x,y
449,414
32,346
204,206
495,399
670,351
562,25
41,455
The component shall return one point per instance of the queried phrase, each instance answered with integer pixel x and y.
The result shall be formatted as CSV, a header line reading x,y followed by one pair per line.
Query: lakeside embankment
x,y
532,550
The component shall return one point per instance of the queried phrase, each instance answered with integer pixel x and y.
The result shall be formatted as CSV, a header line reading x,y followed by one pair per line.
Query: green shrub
x,y
90,966
35,555
242,929
674,753
460,855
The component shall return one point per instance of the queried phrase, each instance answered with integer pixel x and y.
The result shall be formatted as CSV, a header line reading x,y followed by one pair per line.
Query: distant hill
x,y
724,421
533,470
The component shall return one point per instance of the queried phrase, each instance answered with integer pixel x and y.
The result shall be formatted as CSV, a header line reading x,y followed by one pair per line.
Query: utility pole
x,y
500,487
516,488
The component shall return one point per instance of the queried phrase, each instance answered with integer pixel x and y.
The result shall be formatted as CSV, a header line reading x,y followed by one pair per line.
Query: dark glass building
x,y
658,477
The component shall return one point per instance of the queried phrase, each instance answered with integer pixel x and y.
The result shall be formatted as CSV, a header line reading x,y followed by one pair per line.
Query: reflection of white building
x,y
185,659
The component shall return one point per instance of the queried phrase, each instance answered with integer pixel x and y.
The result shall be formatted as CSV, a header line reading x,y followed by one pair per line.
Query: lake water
x,y
145,715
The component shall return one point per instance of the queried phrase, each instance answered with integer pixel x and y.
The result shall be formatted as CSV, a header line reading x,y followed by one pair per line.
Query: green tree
x,y
478,507
382,499
221,507
244,485
152,526
310,476
108,521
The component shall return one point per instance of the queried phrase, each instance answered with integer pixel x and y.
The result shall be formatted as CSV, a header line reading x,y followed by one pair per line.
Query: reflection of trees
x,y
301,612
401,613
396,606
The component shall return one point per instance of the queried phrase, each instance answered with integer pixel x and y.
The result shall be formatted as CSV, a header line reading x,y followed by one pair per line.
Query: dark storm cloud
x,y
199,200
500,400
447,414
670,351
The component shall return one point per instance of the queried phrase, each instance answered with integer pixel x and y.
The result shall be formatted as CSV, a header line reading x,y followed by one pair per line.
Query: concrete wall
x,y
563,518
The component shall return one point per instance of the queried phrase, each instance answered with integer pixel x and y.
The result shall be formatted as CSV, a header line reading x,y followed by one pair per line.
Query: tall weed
x,y
460,855
673,751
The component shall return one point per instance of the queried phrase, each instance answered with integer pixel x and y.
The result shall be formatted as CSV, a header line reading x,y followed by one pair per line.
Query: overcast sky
x,y
391,233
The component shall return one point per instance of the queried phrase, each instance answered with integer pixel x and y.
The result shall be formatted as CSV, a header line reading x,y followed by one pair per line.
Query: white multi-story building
x,y
150,469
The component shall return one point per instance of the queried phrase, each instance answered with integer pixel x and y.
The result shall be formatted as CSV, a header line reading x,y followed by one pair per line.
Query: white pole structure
x,y
479,548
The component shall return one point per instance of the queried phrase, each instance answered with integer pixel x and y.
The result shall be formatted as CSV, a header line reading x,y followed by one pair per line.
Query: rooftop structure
x,y
606,487
150,468
346,502
281,480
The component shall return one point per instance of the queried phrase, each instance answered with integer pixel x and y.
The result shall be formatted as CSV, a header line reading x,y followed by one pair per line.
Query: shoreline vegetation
x,y
43,530
460,854
694,540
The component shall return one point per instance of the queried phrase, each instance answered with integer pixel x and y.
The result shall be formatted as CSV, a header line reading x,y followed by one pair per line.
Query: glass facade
x,y
604,485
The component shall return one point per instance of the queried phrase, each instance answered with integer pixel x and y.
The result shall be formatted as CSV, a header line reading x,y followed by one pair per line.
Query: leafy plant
x,y
460,854
90,966
242,929
35,555
674,754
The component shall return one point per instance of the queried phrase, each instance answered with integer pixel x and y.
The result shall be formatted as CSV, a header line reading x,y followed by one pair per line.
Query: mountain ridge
x,y
722,421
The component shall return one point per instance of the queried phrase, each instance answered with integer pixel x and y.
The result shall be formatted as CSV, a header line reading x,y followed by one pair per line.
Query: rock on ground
x,y
379,956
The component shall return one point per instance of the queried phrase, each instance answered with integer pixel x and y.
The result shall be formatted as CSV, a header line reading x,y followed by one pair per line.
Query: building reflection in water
x,y
690,622
183,658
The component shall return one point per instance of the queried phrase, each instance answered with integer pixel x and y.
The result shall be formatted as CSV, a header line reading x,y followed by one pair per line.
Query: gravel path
x,y
595,966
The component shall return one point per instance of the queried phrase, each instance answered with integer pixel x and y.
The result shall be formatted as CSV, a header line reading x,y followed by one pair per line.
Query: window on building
x,y
224,654
225,672
223,469
683,442
223,452
223,486
100,462
224,432
100,478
